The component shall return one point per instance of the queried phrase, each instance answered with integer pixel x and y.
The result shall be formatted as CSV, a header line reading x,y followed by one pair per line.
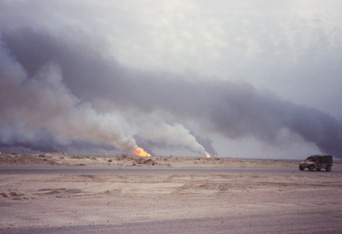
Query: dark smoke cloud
x,y
48,82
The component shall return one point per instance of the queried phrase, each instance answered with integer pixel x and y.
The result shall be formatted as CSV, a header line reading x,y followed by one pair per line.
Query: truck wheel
x,y
311,168
301,168
328,168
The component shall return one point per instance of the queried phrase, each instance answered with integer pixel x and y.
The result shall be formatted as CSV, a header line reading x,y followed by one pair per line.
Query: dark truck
x,y
317,162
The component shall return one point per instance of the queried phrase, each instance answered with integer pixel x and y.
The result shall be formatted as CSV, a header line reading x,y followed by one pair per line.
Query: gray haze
x,y
183,78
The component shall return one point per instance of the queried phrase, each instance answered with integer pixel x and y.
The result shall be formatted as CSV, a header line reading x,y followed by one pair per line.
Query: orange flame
x,y
141,152
207,155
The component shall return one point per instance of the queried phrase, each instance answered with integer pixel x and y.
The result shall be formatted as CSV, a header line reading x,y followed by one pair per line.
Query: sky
x,y
244,79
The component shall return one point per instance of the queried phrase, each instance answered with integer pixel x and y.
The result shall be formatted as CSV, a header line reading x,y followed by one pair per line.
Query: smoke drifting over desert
x,y
62,88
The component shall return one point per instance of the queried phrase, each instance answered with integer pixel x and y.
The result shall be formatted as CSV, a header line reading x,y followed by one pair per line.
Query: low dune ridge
x,y
126,161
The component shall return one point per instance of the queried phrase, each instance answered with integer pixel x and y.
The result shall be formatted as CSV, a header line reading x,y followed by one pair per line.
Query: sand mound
x,y
27,159
143,161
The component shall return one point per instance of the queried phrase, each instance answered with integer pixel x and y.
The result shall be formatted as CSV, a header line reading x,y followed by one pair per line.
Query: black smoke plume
x,y
61,86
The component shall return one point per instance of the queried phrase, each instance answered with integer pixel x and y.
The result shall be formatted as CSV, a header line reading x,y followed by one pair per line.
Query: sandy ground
x,y
130,196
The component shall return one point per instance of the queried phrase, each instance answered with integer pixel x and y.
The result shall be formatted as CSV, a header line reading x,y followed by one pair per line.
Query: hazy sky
x,y
233,78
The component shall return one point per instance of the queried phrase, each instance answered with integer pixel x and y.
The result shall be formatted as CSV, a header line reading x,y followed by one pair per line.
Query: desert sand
x,y
142,190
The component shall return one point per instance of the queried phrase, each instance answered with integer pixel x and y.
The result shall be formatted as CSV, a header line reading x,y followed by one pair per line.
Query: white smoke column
x,y
155,129
44,102
75,119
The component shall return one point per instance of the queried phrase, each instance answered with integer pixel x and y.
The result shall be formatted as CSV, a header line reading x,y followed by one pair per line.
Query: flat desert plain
x,y
57,193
